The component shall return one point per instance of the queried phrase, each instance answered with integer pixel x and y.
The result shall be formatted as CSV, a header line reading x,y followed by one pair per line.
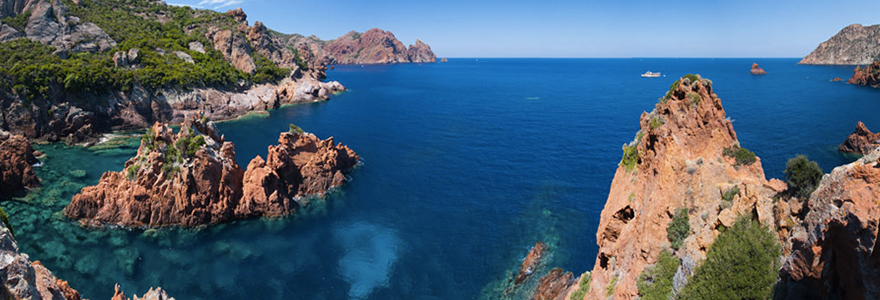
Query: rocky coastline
x,y
375,46
16,164
191,178
853,45
866,76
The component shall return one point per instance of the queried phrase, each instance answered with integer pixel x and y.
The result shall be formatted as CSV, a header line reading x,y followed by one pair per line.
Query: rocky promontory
x,y
191,178
756,70
853,45
861,141
867,76
20,278
375,46
16,161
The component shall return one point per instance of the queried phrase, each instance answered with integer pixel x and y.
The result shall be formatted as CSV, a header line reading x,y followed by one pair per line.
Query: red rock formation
x,y
16,159
861,141
757,70
152,294
191,178
421,53
678,163
375,46
836,79
553,286
868,76
530,263
833,253
22,279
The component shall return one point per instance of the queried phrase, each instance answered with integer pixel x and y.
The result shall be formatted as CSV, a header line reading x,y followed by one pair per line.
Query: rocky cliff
x,y
191,178
205,61
16,161
375,46
853,45
832,251
22,279
861,141
867,76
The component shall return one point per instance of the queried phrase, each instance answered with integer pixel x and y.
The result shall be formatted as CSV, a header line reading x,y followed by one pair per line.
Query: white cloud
x,y
217,4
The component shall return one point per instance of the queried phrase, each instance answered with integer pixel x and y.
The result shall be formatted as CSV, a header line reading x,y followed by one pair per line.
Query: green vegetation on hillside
x,y
18,22
679,228
583,287
655,283
803,176
742,155
741,264
31,70
5,219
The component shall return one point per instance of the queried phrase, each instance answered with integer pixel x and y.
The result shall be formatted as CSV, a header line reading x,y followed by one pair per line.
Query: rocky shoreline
x,y
861,141
866,76
191,178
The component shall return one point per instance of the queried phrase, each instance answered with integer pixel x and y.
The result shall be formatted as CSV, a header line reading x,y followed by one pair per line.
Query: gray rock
x,y
8,33
120,59
133,55
186,57
197,47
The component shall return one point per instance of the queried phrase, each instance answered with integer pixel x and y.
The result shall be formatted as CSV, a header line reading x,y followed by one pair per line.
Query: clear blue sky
x,y
554,28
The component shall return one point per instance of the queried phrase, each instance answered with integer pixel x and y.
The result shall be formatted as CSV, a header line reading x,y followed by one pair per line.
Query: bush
x,y
692,78
694,98
630,157
803,176
583,287
655,283
679,228
741,264
730,193
742,155
609,289
295,129
672,88
18,22
5,218
656,122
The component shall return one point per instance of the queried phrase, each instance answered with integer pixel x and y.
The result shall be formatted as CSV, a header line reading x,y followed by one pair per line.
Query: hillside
x,y
375,46
73,69
853,45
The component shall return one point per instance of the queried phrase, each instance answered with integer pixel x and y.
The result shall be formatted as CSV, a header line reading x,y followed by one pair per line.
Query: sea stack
x,y
861,141
756,70
867,76
191,178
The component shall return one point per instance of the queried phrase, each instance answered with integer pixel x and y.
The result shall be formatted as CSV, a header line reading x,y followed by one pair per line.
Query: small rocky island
x,y
861,141
867,76
191,178
756,70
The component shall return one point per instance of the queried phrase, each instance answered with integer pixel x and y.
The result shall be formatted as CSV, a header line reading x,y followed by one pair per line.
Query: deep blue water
x,y
466,165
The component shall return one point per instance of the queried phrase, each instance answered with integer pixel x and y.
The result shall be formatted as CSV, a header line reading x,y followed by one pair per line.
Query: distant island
x,y
853,45
376,46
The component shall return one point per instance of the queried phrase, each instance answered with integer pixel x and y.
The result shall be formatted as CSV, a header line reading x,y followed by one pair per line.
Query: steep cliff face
x,y
16,161
375,46
833,252
191,178
867,76
853,45
49,24
861,141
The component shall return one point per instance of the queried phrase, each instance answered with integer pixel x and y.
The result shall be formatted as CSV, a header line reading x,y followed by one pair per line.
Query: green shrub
x,y
609,289
803,176
655,283
630,157
741,264
295,129
672,89
583,287
679,228
694,98
742,155
190,144
730,193
131,172
692,78
18,22
5,218
656,121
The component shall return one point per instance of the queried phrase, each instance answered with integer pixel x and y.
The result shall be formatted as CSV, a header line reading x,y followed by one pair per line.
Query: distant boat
x,y
650,74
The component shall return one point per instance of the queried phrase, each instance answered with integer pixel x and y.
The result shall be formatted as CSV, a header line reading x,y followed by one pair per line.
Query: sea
x,y
465,166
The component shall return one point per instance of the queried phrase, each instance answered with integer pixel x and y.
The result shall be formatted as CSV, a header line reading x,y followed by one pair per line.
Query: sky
x,y
556,28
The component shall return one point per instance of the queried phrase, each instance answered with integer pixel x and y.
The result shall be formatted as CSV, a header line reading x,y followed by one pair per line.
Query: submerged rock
x,y
530,264
16,161
553,286
861,141
756,70
192,178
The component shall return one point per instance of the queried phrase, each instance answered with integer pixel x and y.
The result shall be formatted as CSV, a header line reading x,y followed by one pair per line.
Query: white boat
x,y
650,74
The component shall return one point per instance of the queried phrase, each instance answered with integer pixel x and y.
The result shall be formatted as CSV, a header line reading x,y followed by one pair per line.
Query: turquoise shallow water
x,y
466,165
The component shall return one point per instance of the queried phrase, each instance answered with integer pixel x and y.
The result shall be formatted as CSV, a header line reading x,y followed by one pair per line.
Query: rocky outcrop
x,y
853,45
833,251
375,46
867,76
553,286
756,70
191,178
861,141
16,161
836,79
530,264
22,279
49,24
421,53
152,294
